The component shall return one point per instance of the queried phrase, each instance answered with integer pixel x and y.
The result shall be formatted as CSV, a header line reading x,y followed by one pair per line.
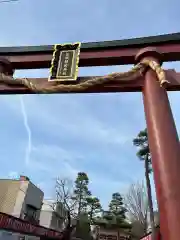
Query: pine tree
x,y
94,207
80,195
81,192
116,206
83,230
115,216
141,141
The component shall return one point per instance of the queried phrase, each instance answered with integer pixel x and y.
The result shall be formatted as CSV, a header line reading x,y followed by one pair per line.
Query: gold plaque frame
x,y
65,62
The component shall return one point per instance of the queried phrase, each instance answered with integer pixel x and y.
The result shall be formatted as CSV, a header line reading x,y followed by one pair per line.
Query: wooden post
x,y
164,147
6,67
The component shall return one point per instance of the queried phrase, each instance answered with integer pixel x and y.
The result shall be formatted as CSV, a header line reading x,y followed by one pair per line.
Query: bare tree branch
x,y
64,189
136,202
64,192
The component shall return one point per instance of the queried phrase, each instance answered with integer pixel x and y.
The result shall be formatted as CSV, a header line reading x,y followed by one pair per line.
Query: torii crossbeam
x,y
162,134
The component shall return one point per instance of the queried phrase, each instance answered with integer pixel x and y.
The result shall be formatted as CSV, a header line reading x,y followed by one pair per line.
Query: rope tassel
x,y
159,71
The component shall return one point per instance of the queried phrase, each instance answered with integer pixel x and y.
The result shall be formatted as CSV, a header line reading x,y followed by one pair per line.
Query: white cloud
x,y
71,115
74,119
53,160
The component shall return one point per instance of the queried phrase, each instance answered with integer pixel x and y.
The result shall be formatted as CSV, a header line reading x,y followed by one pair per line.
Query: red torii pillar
x,y
164,147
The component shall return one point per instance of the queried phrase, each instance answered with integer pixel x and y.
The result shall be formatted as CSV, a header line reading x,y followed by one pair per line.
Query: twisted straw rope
x,y
131,75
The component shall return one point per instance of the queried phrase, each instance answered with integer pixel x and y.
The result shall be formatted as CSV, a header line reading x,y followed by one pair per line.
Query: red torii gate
x,y
162,134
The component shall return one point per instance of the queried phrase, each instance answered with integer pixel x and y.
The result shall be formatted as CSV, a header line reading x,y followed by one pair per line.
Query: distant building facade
x,y
101,233
22,199
52,215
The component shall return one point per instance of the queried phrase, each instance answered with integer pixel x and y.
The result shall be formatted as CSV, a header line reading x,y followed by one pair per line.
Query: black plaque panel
x,y
64,65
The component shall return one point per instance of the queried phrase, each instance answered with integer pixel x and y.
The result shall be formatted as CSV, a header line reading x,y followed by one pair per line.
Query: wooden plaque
x,y
65,62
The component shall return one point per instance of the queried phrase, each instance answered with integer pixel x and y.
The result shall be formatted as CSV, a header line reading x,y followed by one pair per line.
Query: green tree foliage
x,y
83,229
81,192
141,141
137,230
94,208
115,217
116,206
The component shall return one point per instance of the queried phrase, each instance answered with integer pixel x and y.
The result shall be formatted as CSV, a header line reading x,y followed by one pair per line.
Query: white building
x,y
52,215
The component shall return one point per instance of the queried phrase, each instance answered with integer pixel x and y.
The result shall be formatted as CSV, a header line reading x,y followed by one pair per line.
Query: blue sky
x,y
71,133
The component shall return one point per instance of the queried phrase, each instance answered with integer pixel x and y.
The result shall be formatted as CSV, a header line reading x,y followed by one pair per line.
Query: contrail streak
x,y
7,1
26,125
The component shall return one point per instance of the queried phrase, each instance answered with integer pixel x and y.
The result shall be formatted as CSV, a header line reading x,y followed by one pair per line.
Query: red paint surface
x,y
14,224
149,237
92,57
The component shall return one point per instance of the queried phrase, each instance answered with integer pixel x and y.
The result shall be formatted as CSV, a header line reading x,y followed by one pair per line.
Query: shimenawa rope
x,y
131,75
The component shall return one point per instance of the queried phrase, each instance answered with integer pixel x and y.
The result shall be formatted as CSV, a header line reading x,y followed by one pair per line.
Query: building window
x,y
30,214
59,223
